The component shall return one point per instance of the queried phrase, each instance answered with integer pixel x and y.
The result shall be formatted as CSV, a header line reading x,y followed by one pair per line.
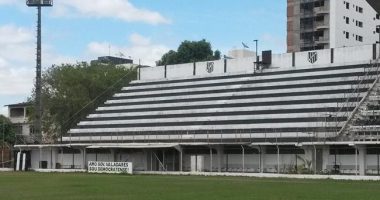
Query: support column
x,y
220,153
310,157
84,154
39,163
243,157
211,164
23,161
146,155
362,160
173,155
54,158
163,161
278,159
18,161
180,150
325,154
113,155
262,158
51,158
151,160
73,159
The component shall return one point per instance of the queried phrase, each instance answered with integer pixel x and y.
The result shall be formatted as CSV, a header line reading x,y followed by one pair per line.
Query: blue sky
x,y
81,30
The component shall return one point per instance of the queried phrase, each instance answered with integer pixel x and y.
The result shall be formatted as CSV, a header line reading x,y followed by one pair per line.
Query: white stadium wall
x,y
281,60
209,68
178,71
152,73
326,57
242,65
354,54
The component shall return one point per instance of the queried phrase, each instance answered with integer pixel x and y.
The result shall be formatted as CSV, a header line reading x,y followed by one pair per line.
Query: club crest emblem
x,y
210,67
313,57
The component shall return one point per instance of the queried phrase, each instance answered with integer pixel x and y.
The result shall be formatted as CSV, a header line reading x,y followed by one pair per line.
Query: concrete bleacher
x,y
296,104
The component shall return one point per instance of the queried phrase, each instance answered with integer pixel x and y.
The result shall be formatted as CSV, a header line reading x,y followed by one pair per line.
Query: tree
x,y
190,51
71,92
7,134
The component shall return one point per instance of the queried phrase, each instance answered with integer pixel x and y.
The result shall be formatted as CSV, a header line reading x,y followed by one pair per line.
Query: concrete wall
x,y
181,70
229,162
327,57
49,155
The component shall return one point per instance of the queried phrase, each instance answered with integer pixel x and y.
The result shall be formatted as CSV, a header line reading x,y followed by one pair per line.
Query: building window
x,y
17,129
347,20
377,16
360,9
359,38
359,24
347,35
17,112
347,5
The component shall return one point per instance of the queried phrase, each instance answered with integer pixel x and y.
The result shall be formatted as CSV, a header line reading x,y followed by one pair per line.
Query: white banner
x,y
110,167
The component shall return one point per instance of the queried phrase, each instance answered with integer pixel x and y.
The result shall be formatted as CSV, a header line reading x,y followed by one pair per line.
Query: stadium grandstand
x,y
304,112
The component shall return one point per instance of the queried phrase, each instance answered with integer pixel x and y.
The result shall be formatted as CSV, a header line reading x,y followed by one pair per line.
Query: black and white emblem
x,y
210,67
313,57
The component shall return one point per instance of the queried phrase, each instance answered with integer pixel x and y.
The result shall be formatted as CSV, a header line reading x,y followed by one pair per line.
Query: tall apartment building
x,y
322,24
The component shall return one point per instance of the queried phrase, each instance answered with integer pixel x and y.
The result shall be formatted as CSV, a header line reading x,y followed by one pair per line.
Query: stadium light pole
x,y
257,53
38,105
378,31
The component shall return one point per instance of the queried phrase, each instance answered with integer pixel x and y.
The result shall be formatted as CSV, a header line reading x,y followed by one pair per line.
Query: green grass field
x,y
41,186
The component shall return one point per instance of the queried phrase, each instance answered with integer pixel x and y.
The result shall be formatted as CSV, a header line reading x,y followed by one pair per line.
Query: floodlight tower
x,y
38,105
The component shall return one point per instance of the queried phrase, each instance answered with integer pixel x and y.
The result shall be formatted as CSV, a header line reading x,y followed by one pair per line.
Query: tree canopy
x,y
71,91
7,133
190,51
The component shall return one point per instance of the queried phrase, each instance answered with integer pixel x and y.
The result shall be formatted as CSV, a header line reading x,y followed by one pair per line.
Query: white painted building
x,y
323,24
18,115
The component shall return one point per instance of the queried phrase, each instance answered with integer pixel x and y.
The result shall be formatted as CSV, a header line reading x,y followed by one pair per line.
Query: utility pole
x,y
38,105
2,144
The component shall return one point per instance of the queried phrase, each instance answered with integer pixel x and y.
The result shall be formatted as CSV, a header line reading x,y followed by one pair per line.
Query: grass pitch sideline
x,y
81,186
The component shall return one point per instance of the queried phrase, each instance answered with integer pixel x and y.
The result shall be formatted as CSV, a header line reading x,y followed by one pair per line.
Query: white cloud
x,y
137,39
6,2
4,111
17,60
16,56
117,9
141,48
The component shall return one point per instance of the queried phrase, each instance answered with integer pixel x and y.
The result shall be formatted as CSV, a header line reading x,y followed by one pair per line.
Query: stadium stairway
x,y
365,125
287,105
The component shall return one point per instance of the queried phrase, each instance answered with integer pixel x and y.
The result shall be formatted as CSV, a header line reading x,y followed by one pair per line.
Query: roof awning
x,y
132,146
36,146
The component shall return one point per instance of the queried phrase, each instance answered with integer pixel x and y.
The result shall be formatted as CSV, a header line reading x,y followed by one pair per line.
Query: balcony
x,y
307,44
306,29
322,25
321,10
307,1
322,40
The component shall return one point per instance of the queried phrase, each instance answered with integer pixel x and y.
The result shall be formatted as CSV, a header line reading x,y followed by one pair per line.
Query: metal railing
x,y
353,98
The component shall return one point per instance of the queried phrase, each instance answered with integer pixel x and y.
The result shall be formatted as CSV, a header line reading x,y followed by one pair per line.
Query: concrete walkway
x,y
266,175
